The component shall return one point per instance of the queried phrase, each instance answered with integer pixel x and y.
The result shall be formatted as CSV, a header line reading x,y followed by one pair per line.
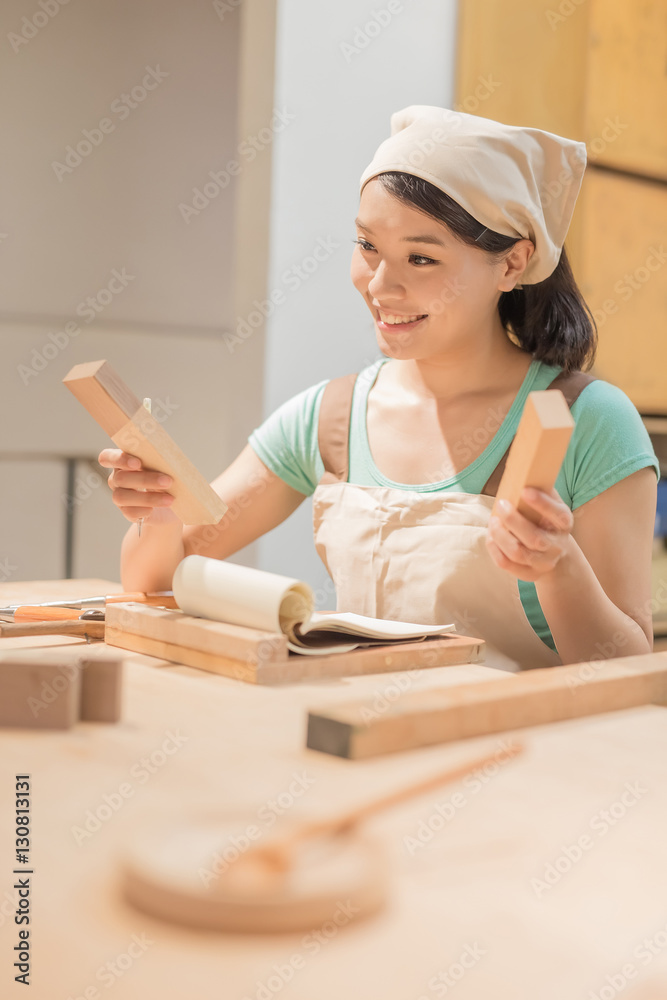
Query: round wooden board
x,y
186,874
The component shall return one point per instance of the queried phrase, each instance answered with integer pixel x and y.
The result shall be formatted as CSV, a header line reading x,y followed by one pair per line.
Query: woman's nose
x,y
384,280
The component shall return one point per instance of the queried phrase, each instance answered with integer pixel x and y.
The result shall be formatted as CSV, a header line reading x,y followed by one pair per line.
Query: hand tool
x,y
89,625
40,612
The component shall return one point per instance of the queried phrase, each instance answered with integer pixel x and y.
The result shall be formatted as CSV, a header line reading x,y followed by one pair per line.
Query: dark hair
x,y
549,319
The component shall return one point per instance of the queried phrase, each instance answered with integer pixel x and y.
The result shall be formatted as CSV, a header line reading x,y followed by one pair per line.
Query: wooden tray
x,y
263,657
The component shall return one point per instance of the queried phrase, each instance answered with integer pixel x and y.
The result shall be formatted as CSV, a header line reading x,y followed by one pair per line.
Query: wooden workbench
x,y
471,903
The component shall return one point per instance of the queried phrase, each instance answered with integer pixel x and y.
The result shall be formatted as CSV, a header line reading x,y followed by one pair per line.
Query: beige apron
x,y
436,568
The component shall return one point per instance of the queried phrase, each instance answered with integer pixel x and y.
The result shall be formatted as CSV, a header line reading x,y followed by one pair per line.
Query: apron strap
x,y
571,385
333,430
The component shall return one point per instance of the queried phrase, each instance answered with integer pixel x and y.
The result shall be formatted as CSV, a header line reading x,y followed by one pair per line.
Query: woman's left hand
x,y
528,550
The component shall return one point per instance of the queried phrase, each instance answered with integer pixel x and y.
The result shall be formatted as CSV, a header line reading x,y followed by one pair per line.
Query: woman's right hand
x,y
138,493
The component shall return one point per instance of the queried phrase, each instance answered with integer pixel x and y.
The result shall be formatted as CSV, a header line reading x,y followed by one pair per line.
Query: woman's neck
x,y
473,370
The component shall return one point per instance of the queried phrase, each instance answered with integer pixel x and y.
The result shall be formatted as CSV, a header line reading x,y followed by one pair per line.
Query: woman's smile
x,y
393,322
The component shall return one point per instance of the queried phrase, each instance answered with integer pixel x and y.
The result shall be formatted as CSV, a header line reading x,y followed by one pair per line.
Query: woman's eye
x,y
365,245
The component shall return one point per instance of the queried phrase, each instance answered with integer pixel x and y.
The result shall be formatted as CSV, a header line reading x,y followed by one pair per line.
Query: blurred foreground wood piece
x,y
38,694
538,448
101,690
262,657
131,427
552,694
276,854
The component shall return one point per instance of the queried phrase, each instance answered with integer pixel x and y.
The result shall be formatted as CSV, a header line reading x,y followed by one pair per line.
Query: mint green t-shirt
x,y
609,442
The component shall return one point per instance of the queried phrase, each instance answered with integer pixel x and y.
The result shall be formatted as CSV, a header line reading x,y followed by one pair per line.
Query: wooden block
x,y
39,695
101,690
262,657
132,428
536,697
538,448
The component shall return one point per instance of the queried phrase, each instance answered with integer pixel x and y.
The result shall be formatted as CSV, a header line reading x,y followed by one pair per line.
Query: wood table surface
x,y
545,879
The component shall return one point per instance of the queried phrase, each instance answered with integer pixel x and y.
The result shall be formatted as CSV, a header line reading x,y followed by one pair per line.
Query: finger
x,y
509,544
550,506
113,458
532,536
157,481
516,569
134,498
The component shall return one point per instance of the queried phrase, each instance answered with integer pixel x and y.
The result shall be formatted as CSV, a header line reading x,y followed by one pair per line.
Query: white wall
x,y
340,73
67,228
342,100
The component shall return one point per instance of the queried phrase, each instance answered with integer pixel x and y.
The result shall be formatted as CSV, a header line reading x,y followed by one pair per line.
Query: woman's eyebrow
x,y
433,240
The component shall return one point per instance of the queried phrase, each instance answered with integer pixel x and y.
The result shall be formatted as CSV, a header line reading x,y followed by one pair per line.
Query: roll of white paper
x,y
223,591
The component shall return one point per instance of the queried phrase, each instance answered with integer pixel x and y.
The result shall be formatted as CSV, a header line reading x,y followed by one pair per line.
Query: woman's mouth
x,y
394,323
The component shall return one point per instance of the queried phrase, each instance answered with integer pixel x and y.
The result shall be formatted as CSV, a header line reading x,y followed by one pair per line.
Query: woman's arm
x,y
592,570
256,498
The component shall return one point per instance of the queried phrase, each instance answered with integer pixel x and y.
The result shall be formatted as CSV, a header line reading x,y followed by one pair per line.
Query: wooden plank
x,y
39,695
626,87
490,80
538,448
624,280
358,729
262,657
132,428
214,663
173,626
101,690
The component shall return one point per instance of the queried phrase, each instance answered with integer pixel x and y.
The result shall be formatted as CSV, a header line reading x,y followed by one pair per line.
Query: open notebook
x,y
223,591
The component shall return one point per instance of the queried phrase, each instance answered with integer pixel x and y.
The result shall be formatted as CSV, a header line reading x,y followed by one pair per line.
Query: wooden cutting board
x,y
263,657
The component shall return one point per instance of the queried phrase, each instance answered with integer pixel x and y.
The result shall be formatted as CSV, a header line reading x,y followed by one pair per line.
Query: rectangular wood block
x,y
262,657
101,690
538,448
552,694
131,427
39,695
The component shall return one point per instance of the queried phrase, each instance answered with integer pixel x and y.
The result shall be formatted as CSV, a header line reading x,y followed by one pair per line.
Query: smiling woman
x,y
459,257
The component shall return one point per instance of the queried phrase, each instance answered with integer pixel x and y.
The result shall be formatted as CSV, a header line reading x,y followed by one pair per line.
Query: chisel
x,y
90,625
49,609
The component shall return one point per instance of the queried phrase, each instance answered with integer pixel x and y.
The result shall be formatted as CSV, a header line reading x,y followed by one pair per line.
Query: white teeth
x,y
396,320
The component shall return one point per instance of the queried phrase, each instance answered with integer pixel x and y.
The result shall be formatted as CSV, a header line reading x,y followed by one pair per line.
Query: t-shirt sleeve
x,y
287,440
609,443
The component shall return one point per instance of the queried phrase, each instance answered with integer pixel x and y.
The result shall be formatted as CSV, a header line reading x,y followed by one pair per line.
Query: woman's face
x,y
408,265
